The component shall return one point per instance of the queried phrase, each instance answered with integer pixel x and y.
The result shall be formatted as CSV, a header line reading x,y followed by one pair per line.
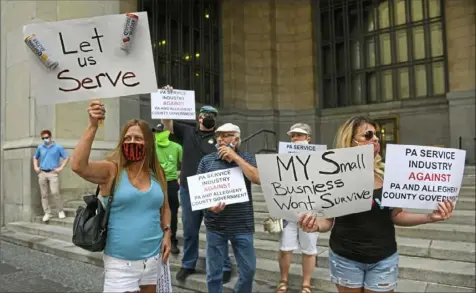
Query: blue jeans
x,y
217,251
378,277
192,220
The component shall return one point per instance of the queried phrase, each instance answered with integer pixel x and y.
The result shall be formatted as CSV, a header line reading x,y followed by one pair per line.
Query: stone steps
x,y
434,249
426,256
463,217
267,270
434,231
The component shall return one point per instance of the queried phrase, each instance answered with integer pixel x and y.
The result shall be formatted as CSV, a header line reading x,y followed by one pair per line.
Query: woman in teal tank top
x,y
138,237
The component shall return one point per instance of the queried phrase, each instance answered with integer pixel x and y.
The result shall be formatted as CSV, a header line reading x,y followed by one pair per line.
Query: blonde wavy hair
x,y
151,158
345,135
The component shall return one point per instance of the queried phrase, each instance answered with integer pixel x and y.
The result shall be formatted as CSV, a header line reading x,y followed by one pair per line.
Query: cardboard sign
x,y
292,148
175,105
330,183
223,186
90,61
419,177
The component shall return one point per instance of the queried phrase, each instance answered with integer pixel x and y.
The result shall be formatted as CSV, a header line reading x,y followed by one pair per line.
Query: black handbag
x,y
90,222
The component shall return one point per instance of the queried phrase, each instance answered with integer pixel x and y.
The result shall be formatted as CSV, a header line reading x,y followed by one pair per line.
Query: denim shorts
x,y
378,277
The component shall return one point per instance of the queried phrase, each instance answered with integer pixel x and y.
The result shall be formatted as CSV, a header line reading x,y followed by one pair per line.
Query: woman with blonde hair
x,y
138,234
363,253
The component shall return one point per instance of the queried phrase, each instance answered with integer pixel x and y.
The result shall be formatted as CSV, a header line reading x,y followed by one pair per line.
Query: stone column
x,y
461,44
22,121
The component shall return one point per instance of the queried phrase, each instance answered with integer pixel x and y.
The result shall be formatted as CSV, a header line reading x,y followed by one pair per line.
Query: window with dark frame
x,y
186,44
375,51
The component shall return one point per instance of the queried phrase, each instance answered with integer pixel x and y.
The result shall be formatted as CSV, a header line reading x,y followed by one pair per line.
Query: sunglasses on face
x,y
369,135
46,137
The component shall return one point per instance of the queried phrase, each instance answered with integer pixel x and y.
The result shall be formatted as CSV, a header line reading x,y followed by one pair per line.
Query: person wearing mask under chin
x,y
196,142
231,223
294,238
46,162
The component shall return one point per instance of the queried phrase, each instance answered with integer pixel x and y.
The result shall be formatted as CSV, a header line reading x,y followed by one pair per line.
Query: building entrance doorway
x,y
388,133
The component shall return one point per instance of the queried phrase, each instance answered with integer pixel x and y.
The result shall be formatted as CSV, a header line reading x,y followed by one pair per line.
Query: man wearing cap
x,y
294,238
169,154
196,142
234,222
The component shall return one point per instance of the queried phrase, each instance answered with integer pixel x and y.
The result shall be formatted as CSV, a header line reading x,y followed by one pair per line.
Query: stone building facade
x,y
271,70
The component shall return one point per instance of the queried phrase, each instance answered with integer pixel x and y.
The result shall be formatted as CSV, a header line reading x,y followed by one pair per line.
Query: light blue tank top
x,y
134,230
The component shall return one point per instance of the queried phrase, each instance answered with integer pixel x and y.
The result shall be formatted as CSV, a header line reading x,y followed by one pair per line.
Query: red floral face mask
x,y
133,152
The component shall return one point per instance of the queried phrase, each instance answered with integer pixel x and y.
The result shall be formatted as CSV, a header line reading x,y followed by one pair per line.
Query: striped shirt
x,y
236,218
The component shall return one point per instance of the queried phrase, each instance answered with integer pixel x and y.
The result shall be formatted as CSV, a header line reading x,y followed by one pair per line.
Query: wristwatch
x,y
167,228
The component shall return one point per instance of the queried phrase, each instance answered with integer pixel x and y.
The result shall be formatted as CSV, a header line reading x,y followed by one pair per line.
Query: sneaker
x,y
61,215
46,217
174,250
226,277
183,274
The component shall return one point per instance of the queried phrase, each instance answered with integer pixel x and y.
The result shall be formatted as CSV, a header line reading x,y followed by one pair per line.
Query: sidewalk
x,y
26,270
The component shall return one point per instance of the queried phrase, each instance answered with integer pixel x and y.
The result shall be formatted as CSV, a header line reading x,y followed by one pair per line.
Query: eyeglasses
x,y
225,135
46,137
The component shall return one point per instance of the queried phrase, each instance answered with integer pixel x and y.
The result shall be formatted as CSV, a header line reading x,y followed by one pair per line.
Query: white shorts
x,y
126,276
294,238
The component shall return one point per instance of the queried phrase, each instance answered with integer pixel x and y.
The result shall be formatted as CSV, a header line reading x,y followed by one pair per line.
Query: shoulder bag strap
x,y
111,192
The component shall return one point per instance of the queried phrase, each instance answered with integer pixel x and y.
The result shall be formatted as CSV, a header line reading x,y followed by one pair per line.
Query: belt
x,y
47,171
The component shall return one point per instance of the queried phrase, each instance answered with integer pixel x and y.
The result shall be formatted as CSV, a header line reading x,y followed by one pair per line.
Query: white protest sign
x,y
222,186
419,177
291,148
175,105
330,183
91,63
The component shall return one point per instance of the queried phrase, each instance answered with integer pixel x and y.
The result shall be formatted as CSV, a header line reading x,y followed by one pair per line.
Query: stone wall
x,y
268,64
461,46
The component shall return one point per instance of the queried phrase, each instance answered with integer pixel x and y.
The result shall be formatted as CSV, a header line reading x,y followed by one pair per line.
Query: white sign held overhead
x,y
175,105
222,186
291,148
330,183
82,59
419,177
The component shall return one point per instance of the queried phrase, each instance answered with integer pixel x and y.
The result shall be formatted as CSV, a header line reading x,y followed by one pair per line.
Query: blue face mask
x,y
46,140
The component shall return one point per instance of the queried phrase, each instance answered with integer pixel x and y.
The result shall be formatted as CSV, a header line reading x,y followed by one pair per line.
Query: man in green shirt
x,y
170,158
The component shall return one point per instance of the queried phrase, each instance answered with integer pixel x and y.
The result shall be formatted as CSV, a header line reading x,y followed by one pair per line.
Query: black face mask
x,y
208,122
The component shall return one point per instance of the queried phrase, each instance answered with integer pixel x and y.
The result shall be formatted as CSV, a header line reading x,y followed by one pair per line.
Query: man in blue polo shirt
x,y
46,162
234,222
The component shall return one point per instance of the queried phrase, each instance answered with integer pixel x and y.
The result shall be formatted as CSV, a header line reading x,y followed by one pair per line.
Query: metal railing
x,y
268,148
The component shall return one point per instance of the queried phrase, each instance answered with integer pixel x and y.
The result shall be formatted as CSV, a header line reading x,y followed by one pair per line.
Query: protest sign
x,y
175,105
222,186
419,177
291,148
90,61
329,183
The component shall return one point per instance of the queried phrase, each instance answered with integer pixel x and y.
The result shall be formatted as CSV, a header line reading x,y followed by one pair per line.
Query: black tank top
x,y
366,237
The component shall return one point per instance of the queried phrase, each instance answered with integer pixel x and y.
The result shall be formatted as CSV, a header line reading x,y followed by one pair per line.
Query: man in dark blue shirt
x,y
234,222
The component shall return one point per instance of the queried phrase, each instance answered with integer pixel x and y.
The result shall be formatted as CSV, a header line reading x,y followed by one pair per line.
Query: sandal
x,y
282,287
306,289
